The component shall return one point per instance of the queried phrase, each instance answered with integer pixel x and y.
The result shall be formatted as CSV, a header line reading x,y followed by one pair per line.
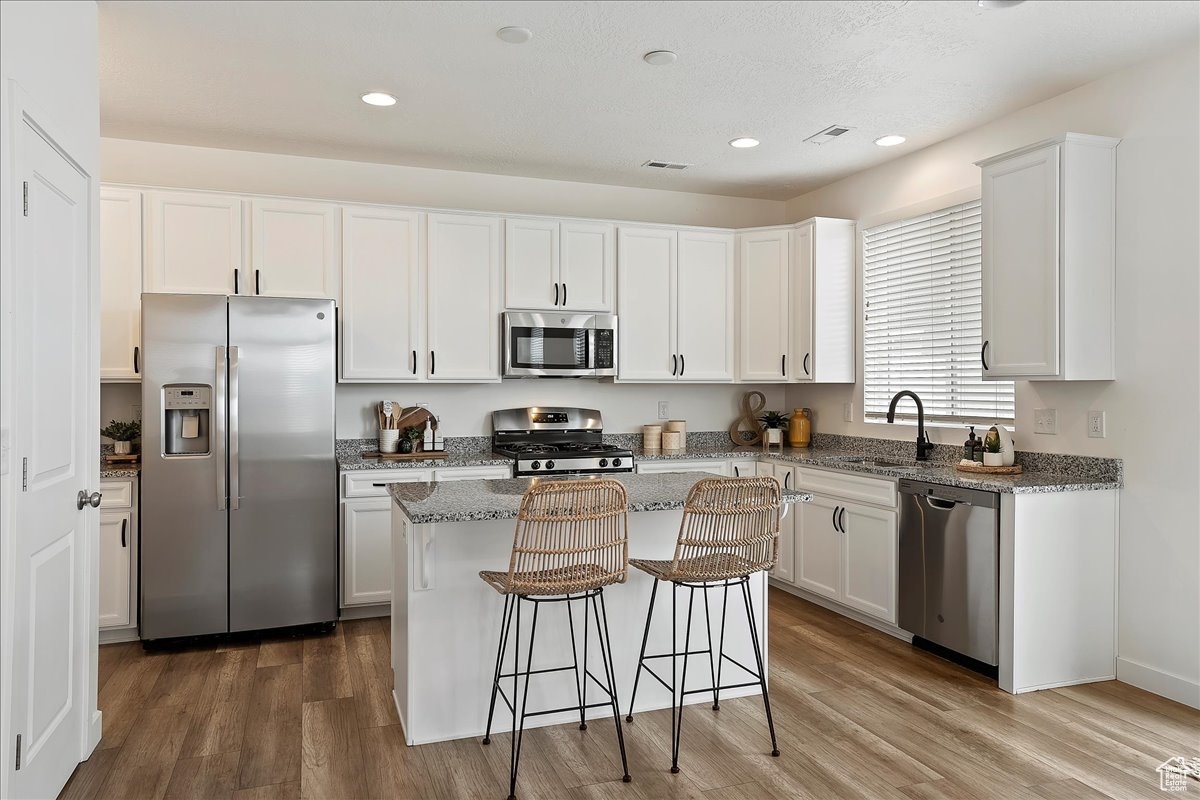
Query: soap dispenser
x,y
972,447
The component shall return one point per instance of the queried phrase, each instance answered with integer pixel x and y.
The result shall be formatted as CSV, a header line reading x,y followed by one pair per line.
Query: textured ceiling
x,y
578,103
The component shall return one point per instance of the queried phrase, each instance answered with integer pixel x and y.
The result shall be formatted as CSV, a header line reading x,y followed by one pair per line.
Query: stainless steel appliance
x,y
239,480
558,345
949,570
546,440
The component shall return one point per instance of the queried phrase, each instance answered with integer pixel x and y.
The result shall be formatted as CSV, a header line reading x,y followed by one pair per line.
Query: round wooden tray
x,y
1015,469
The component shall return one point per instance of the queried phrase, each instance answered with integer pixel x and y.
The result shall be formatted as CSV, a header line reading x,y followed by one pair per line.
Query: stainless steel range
x,y
556,441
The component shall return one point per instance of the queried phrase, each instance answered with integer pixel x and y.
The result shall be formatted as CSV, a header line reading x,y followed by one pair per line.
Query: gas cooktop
x,y
556,441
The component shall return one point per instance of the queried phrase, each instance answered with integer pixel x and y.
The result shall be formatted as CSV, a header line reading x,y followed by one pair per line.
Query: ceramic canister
x,y
652,437
672,440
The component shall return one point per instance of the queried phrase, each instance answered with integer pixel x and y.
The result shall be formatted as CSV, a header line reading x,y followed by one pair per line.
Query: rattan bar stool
x,y
571,541
730,531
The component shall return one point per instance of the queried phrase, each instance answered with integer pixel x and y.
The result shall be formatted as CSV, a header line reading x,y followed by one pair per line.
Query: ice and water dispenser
x,y
186,420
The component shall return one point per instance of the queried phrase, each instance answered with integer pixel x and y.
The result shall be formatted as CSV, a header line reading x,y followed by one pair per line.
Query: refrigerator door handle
x,y
219,422
234,488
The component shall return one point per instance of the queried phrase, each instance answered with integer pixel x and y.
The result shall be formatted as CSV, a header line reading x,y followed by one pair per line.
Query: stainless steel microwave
x,y
556,345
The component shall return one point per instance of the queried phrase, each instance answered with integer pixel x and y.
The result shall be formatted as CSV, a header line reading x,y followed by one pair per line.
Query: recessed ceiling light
x,y
998,4
743,141
514,35
378,99
660,58
891,140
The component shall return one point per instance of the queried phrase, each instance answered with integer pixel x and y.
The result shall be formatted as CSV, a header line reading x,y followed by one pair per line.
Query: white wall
x,y
155,164
1152,407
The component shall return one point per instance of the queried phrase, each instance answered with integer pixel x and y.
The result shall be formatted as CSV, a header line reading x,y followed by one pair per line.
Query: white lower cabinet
x,y
869,567
713,465
118,555
818,548
785,567
367,526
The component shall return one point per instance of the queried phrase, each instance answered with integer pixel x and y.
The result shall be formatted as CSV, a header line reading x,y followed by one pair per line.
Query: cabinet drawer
x,y
472,473
373,483
116,494
877,491
713,465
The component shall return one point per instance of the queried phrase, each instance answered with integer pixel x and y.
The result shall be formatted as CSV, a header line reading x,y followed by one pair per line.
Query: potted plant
x,y
774,422
993,453
123,435
412,436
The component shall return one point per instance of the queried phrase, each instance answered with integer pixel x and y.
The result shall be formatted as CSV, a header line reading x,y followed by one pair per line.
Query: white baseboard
x,y
365,612
1171,686
845,611
116,635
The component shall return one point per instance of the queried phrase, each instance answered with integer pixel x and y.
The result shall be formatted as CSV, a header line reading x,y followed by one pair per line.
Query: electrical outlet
x,y
848,412
1096,428
1045,420
135,411
664,409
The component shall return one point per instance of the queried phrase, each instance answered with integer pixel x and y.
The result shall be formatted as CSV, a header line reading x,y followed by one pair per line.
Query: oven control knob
x,y
616,462
535,465
604,462
549,465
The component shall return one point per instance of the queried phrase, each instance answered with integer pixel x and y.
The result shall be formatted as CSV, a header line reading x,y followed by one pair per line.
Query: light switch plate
x,y
664,409
1096,426
1045,420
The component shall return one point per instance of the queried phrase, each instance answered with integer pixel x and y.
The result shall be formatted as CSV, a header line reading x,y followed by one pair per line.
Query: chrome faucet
x,y
924,446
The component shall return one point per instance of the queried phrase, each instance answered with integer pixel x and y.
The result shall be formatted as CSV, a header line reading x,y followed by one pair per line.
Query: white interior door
x,y
295,249
121,287
646,293
55,370
705,306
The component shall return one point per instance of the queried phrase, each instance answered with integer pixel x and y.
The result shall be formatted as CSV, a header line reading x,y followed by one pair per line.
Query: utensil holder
x,y
389,441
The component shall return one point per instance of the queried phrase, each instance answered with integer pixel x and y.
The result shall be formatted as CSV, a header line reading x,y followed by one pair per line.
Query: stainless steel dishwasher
x,y
949,571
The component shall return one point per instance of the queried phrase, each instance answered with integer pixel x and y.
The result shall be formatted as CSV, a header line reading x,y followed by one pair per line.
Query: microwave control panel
x,y
604,349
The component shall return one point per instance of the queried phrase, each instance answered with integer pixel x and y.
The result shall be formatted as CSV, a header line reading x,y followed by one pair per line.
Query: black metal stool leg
x,y
505,620
575,659
512,744
610,675
687,642
762,675
519,730
712,668
721,647
637,675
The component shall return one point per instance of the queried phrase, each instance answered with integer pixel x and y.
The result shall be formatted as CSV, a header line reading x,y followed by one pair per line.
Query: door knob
x,y
86,499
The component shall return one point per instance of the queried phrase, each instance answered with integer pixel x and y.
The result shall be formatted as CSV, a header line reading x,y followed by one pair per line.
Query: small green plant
x,y
122,431
414,433
991,443
773,419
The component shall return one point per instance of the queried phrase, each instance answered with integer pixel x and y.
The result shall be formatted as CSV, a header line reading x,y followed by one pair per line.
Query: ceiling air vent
x,y
666,165
829,134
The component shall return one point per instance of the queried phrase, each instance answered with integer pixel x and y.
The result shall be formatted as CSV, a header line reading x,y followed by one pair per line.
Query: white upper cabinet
x,y
120,284
565,265
382,310
704,307
463,282
646,273
764,263
1048,235
822,302
194,244
295,248
587,266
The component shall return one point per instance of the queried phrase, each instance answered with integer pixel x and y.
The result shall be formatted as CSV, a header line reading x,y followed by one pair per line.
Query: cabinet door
x,y
295,249
120,284
869,560
194,244
366,551
531,264
586,271
704,308
785,569
116,536
646,277
802,303
748,469
1021,265
763,344
818,547
381,295
463,280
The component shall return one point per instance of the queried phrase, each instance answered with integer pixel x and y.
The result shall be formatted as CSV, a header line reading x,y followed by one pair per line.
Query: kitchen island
x,y
446,621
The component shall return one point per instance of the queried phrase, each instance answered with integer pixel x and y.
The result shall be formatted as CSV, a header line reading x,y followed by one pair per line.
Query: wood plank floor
x,y
859,715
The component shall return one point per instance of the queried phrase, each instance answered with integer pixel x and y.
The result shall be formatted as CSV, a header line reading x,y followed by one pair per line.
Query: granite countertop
x,y
471,501
116,471
352,461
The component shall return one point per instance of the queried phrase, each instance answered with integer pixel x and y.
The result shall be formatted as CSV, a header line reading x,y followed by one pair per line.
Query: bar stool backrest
x,y
571,536
730,528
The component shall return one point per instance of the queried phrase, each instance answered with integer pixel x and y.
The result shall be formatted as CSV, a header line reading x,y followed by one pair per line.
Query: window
x,y
922,319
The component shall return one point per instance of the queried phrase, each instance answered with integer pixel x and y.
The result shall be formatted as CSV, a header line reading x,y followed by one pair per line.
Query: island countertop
x,y
467,501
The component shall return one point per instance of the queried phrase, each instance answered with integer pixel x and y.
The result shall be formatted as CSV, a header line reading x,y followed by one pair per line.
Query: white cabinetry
x,y
566,266
764,263
382,313
587,268
531,254
818,547
1048,234
713,465
121,284
194,244
118,557
823,301
676,304
463,297
294,246
785,568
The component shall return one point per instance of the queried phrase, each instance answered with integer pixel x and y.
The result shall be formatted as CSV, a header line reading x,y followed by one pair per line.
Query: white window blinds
x,y
921,327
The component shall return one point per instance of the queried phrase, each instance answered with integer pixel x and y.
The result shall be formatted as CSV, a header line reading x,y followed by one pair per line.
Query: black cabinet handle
x,y
674,363
787,477
737,473
414,370
256,282
432,362
379,485
783,365
682,365
556,294
983,355
842,519
235,281
835,512
806,372
564,293
136,361
124,524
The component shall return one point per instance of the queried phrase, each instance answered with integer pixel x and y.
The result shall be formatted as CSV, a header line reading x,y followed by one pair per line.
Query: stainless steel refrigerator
x,y
239,479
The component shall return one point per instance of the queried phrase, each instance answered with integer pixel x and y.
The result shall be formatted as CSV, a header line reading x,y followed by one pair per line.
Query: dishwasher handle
x,y
950,494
